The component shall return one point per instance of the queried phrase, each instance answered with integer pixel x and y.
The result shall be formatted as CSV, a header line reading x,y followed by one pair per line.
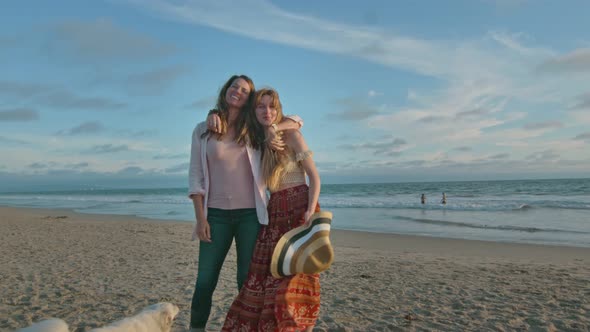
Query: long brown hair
x,y
221,108
273,162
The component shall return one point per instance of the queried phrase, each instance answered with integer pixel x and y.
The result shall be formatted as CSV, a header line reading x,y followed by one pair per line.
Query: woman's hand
x,y
214,123
307,217
275,139
202,231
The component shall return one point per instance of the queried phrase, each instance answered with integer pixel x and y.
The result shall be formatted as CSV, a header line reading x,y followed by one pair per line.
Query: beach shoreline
x,y
90,269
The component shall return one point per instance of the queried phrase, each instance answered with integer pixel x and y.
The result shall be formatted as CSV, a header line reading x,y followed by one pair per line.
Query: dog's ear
x,y
167,318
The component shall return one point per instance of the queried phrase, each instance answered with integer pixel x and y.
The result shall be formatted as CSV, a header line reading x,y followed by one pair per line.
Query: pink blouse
x,y
229,169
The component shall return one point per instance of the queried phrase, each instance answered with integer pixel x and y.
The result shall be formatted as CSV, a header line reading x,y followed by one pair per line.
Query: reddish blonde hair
x,y
273,162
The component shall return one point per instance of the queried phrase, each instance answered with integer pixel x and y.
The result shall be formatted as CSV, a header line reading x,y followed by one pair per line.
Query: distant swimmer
x,y
444,199
423,199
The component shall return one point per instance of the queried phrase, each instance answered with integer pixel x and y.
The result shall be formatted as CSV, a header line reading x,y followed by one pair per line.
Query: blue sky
x,y
106,93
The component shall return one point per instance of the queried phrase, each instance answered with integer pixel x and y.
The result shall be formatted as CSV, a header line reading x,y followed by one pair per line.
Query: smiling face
x,y
266,112
237,93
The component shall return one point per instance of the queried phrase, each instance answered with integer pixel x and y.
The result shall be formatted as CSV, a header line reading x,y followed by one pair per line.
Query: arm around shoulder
x,y
290,122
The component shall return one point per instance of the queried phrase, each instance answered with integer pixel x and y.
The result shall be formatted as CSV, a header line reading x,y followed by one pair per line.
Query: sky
x,y
106,93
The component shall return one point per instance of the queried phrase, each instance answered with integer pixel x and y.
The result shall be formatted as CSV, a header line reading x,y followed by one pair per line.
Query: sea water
x,y
553,212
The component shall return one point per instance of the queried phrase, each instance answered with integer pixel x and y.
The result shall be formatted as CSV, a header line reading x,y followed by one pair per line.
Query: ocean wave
x,y
500,227
523,207
453,203
97,199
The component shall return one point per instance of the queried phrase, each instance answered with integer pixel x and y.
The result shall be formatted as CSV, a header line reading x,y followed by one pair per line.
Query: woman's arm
x,y
290,122
196,175
273,134
202,231
197,185
297,143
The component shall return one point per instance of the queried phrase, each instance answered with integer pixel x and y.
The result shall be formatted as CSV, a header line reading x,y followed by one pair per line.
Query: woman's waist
x,y
232,201
293,188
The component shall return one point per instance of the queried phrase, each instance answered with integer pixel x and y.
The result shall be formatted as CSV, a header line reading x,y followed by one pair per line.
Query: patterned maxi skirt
x,y
268,304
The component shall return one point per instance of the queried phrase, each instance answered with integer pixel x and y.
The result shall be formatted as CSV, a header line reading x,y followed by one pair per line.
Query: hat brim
x,y
320,222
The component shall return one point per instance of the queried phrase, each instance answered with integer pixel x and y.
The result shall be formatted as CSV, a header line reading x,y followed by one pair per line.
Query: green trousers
x,y
241,224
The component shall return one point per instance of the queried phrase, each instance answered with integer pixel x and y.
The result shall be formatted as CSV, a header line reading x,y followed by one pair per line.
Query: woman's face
x,y
266,113
237,94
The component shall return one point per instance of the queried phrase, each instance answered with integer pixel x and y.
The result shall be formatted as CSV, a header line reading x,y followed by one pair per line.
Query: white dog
x,y
48,325
154,318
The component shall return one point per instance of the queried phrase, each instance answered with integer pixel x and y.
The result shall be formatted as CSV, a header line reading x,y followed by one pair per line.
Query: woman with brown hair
x,y
228,193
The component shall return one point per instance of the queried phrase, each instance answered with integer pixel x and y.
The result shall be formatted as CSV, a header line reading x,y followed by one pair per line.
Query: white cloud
x,y
373,93
89,127
574,62
102,40
579,117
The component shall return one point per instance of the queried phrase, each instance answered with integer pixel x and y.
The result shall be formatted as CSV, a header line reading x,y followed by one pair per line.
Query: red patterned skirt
x,y
268,304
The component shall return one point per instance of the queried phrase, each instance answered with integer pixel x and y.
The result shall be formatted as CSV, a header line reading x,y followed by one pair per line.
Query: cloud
x,y
65,100
579,117
499,156
583,136
204,104
171,156
90,127
131,170
543,156
102,40
19,115
484,85
583,102
307,32
472,113
353,110
138,133
463,148
178,168
79,165
22,90
392,147
37,166
573,62
432,119
543,125
44,95
373,93
514,42
9,140
108,148
453,60
155,81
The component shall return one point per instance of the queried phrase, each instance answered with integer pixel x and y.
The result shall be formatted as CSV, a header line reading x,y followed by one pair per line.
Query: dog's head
x,y
165,312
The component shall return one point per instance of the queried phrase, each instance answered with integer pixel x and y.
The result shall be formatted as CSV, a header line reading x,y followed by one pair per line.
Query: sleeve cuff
x,y
196,192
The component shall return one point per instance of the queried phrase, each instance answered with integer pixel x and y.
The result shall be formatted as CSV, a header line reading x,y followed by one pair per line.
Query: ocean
x,y
554,212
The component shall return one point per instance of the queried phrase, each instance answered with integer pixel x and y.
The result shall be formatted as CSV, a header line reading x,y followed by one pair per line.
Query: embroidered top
x,y
294,174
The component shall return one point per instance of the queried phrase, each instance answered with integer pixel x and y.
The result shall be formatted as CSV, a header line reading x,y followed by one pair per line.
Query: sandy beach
x,y
90,270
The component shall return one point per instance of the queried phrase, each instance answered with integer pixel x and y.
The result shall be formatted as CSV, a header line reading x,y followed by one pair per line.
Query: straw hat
x,y
305,249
